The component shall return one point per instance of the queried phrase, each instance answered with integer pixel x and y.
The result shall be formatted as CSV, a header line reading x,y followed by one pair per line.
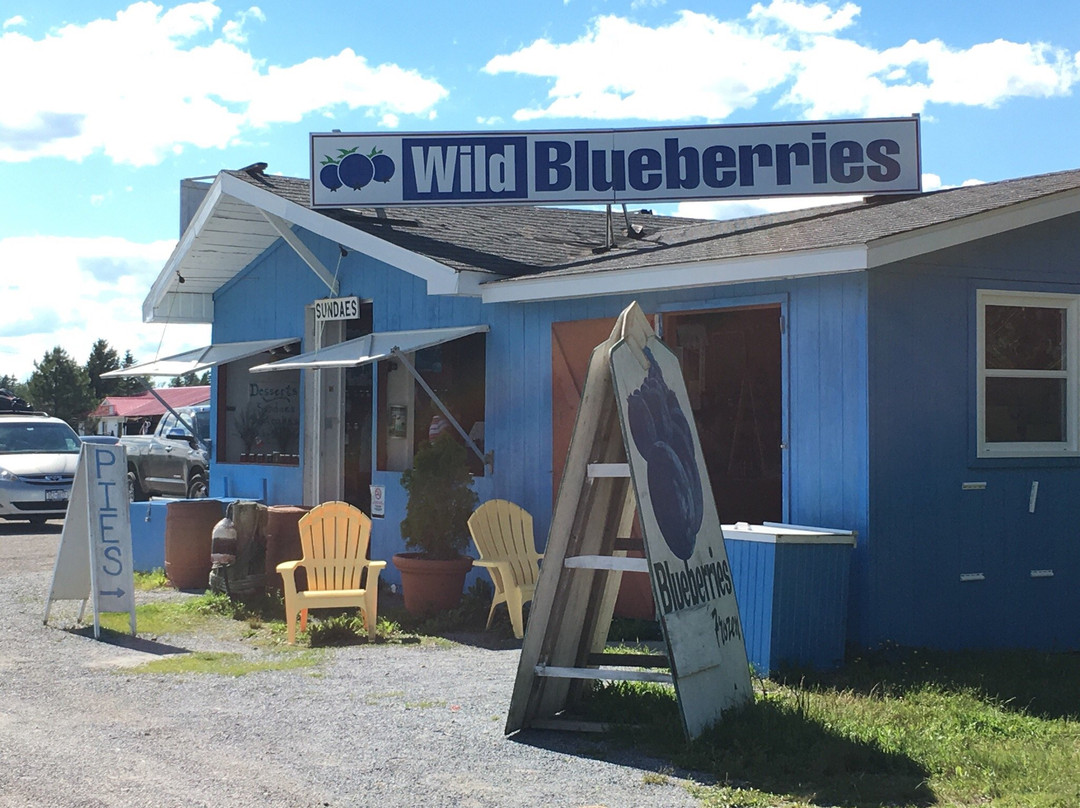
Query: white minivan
x,y
38,458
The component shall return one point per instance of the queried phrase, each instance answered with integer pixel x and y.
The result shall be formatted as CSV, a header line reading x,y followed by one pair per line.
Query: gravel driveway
x,y
387,725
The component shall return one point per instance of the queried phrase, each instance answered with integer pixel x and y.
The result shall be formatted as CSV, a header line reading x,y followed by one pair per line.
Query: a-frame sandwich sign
x,y
94,561
634,447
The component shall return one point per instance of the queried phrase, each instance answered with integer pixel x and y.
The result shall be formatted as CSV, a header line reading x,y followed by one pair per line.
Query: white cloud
x,y
151,82
697,66
14,22
817,18
234,30
81,290
702,68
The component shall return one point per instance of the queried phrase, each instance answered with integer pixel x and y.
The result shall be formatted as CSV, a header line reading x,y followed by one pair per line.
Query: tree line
x,y
62,387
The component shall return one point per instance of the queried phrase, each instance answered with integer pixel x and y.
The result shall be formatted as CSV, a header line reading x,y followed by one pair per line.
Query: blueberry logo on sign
x,y
662,435
354,170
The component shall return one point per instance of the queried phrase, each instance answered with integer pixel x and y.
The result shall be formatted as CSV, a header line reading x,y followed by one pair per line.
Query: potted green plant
x,y
435,527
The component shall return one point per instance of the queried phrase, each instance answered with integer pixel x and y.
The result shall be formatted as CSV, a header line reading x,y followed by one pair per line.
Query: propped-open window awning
x,y
201,359
371,348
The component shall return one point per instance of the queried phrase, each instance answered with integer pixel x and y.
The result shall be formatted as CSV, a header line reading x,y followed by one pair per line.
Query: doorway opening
x,y
358,414
732,364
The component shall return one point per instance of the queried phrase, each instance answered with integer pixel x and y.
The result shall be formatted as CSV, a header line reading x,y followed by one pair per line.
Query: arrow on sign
x,y
116,593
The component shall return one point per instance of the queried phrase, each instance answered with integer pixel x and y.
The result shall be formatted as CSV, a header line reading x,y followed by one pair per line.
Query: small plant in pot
x,y
435,528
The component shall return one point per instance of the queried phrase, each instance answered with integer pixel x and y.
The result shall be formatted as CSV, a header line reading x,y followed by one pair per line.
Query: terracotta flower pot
x,y
430,586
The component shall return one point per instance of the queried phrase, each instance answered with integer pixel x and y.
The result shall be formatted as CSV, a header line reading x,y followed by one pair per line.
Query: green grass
x,y
900,728
226,664
209,614
155,579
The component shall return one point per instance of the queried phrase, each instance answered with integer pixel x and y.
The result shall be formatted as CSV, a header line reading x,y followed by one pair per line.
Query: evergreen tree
x,y
102,360
131,385
190,380
61,387
16,387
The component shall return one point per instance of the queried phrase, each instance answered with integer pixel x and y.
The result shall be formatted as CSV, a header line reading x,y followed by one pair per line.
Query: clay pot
x,y
430,586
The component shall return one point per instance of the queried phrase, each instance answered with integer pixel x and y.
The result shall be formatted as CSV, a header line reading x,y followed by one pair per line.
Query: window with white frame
x,y
1027,374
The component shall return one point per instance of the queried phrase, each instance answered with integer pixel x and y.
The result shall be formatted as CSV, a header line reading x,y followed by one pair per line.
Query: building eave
x,y
229,230
725,272
924,240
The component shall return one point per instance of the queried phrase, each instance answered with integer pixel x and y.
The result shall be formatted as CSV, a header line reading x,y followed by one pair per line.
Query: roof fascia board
x,y
440,278
679,276
190,308
470,283
891,249
159,291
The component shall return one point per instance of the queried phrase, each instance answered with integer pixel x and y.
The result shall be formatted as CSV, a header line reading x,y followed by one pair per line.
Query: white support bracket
x,y
307,256
616,674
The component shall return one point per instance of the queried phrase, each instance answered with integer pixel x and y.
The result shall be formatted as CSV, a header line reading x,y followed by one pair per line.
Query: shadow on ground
x,y
1044,685
119,640
771,747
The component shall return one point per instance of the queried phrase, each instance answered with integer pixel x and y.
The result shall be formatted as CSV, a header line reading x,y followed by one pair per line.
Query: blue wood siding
x,y
809,626
927,531
753,573
793,602
824,370
879,390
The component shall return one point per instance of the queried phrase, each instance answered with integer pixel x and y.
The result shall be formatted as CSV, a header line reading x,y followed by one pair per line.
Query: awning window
x,y
396,344
370,348
201,359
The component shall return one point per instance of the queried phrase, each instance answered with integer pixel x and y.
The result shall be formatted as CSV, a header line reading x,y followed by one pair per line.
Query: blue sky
x,y
106,106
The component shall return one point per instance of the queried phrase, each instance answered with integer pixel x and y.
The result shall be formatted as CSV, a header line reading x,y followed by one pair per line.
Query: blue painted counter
x,y
148,531
791,583
148,534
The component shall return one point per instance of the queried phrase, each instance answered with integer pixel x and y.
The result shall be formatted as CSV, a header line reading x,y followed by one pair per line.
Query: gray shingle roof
x,y
515,241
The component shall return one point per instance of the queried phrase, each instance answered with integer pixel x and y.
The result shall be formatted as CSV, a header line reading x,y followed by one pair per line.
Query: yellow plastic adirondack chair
x,y
503,534
334,541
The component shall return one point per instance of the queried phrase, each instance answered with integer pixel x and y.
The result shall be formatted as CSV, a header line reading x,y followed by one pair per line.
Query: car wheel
x,y
135,492
197,488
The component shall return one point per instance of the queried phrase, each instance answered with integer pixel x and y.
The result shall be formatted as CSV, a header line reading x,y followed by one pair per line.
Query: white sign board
x,y
95,559
688,565
378,501
337,308
869,156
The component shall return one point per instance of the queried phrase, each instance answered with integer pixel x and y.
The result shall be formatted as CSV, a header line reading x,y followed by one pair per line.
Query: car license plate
x,y
56,494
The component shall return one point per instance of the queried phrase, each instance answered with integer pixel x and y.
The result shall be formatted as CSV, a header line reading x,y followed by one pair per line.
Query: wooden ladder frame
x,y
584,560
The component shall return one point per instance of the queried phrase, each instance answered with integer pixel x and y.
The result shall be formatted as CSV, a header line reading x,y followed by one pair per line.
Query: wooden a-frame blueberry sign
x,y
688,565
634,449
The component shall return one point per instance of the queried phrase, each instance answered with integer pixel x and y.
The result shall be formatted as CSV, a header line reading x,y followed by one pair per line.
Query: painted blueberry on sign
x,y
328,176
662,435
384,167
354,170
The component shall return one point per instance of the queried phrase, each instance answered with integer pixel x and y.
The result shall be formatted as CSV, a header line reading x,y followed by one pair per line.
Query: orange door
x,y
572,344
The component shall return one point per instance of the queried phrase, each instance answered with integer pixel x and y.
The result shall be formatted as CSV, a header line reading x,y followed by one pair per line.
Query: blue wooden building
x,y
904,367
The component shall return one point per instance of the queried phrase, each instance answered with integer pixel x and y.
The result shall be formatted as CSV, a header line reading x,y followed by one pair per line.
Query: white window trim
x,y
1070,447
